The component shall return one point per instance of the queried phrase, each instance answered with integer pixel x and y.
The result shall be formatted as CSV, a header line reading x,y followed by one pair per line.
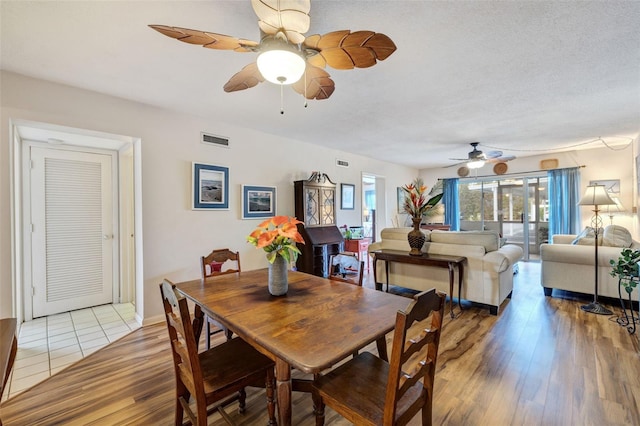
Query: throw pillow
x,y
617,236
587,237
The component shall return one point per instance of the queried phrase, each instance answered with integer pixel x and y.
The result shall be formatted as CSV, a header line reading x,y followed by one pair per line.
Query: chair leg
x,y
228,333
242,398
427,413
271,402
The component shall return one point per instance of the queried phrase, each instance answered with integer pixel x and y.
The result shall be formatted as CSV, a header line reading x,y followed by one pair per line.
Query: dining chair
x,y
212,265
346,267
214,377
369,391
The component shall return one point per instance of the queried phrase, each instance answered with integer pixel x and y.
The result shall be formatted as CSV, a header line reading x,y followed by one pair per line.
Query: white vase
x,y
278,277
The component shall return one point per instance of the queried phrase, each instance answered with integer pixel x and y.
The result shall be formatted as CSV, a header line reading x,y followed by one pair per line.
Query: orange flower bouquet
x,y
278,237
416,203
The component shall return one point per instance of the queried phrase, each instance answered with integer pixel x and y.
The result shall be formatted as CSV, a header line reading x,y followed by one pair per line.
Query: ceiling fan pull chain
x,y
281,99
305,87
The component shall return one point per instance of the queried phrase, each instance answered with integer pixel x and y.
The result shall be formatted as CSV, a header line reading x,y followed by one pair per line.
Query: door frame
x,y
128,180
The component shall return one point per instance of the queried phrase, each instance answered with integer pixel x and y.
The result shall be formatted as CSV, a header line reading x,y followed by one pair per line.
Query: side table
x,y
358,247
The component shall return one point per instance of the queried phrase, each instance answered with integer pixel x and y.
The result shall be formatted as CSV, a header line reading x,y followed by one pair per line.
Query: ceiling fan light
x,y
475,164
281,66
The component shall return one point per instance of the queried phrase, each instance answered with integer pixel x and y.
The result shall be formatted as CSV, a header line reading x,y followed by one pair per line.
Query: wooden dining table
x,y
317,324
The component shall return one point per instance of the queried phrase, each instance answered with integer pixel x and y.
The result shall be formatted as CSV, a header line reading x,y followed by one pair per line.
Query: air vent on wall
x,y
342,163
210,139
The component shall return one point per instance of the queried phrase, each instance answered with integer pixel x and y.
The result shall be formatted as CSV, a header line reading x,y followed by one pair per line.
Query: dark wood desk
x,y
438,260
317,324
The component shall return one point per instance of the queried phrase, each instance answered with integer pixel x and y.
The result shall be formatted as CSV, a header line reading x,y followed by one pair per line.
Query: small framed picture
x,y
400,194
258,201
347,199
210,187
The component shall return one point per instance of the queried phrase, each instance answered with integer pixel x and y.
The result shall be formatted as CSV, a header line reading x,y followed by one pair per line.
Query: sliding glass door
x,y
517,208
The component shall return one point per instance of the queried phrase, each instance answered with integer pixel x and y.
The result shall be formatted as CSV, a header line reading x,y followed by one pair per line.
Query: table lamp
x,y
596,195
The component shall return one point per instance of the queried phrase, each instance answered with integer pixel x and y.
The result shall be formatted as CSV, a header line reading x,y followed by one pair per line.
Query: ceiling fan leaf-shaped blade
x,y
346,50
382,45
246,78
332,39
338,58
494,154
318,83
206,39
290,16
312,41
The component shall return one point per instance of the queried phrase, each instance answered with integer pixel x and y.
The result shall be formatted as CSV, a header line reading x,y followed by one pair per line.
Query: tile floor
x,y
50,344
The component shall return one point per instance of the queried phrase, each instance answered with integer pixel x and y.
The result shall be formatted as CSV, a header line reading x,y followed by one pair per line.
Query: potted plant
x,y
627,270
416,205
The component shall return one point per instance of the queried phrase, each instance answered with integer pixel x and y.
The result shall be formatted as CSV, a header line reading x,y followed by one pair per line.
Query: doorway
x,y
374,216
70,153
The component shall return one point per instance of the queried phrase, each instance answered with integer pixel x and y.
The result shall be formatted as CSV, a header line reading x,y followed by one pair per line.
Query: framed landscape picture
x,y
347,199
210,187
258,202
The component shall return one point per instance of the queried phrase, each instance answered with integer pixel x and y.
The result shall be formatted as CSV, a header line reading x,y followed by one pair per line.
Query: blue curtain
x,y
451,203
564,194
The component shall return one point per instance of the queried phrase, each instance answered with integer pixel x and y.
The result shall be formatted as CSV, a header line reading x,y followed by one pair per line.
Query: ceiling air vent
x,y
210,139
342,163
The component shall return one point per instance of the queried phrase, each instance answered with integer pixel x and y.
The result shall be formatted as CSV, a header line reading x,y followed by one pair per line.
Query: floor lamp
x,y
596,195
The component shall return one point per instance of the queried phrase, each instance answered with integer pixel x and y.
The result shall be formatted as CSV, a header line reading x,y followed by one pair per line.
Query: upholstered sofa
x,y
488,272
568,263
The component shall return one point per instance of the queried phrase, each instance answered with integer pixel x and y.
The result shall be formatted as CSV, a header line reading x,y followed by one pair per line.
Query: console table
x,y
437,260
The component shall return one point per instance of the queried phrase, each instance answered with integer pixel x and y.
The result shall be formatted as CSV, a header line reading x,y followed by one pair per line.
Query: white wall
x,y
601,163
174,235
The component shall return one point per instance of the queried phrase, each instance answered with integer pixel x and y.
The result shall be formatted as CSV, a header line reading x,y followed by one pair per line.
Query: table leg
x,y
381,343
460,273
386,269
283,392
198,322
451,290
375,274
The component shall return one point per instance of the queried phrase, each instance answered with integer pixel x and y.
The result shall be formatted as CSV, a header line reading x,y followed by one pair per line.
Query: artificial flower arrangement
x,y
416,203
278,237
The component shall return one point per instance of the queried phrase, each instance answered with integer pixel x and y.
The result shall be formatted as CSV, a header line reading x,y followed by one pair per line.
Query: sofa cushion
x,y
490,240
616,236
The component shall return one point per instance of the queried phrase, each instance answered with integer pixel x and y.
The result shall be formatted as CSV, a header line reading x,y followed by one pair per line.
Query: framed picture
x,y
400,194
258,201
346,200
210,187
611,185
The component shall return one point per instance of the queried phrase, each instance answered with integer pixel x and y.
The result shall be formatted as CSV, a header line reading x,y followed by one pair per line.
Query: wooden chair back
x,y
216,260
184,348
415,359
8,350
213,376
347,269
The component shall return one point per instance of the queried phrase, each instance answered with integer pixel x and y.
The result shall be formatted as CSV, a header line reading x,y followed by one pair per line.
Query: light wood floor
x,y
542,361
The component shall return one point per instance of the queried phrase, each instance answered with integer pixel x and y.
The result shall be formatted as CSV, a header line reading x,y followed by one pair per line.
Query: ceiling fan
x,y
286,55
476,158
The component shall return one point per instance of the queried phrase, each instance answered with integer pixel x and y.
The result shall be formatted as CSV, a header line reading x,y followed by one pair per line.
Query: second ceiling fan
x,y
476,159
286,55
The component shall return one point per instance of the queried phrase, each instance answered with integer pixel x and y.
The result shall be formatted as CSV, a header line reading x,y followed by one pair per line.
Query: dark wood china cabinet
x,y
315,201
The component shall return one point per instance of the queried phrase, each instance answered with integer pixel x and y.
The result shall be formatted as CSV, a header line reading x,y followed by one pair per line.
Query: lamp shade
x,y
281,66
595,195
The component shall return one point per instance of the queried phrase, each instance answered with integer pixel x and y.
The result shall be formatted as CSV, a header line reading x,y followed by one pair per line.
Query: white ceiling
x,y
524,77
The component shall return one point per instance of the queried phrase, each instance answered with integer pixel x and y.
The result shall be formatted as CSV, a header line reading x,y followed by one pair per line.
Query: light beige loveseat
x,y
571,267
488,272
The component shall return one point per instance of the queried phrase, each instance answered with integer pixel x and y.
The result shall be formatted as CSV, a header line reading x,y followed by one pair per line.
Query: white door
x,y
72,230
